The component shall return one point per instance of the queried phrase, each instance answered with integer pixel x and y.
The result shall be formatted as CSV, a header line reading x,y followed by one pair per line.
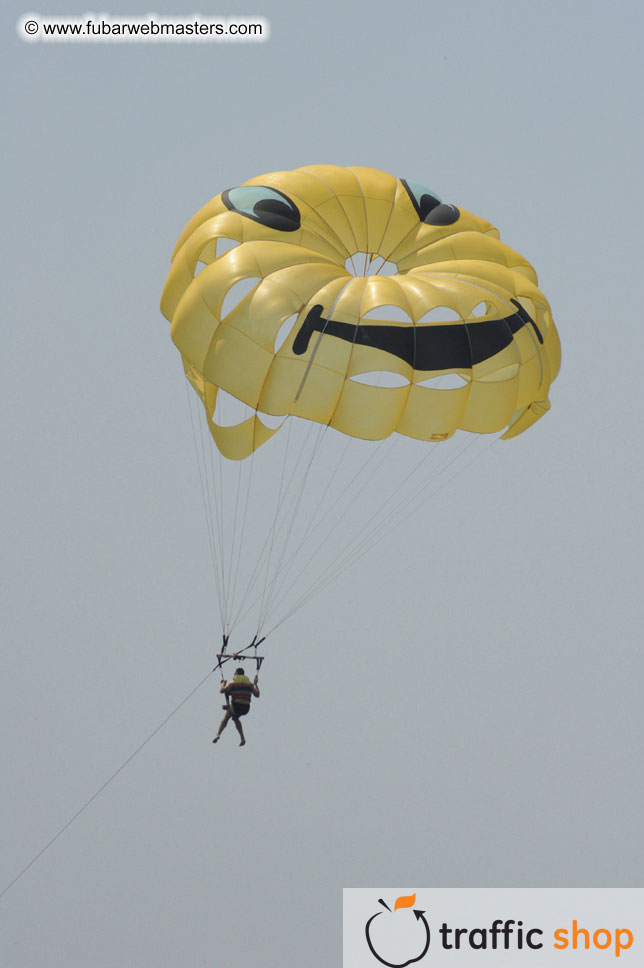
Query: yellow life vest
x,y
240,689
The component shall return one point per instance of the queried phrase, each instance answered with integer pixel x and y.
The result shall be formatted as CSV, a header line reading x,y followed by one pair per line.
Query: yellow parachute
x,y
360,302
313,243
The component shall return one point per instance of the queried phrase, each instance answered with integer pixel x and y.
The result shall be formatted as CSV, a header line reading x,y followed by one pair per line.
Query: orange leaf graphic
x,y
408,901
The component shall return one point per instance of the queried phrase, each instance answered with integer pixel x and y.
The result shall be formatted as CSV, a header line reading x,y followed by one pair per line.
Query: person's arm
x,y
223,686
255,688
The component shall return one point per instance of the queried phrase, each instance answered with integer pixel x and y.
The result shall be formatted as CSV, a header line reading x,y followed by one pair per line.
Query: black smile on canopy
x,y
425,347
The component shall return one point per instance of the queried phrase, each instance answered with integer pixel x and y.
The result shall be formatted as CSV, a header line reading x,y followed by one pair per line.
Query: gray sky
x,y
464,707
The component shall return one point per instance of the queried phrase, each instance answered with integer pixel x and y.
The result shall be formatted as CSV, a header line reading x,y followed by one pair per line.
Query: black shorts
x,y
240,709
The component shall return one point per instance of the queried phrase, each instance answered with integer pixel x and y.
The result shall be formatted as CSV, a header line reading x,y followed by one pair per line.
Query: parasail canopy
x,y
350,301
365,304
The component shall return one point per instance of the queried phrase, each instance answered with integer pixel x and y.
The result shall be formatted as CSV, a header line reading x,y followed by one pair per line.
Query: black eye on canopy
x,y
268,206
429,206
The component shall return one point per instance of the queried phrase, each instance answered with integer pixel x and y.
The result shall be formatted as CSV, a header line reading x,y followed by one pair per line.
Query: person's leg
x,y
223,725
239,730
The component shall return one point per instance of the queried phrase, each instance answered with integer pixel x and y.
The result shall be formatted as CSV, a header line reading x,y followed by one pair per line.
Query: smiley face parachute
x,y
345,305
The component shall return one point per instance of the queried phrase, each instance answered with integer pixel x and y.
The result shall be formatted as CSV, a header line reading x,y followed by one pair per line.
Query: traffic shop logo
x,y
402,937
402,947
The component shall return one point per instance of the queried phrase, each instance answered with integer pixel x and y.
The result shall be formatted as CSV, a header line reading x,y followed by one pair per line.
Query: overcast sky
x,y
464,707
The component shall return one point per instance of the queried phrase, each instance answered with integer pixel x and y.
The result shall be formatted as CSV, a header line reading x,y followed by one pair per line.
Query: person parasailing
x,y
239,693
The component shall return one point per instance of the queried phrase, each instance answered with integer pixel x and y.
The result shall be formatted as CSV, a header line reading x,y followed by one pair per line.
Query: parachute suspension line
x,y
100,790
402,514
219,510
376,516
204,458
209,523
310,528
232,544
276,526
373,533
267,545
400,511
279,527
243,531
289,521
281,574
300,491
266,608
278,506
384,452
218,520
273,574
266,604
405,512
